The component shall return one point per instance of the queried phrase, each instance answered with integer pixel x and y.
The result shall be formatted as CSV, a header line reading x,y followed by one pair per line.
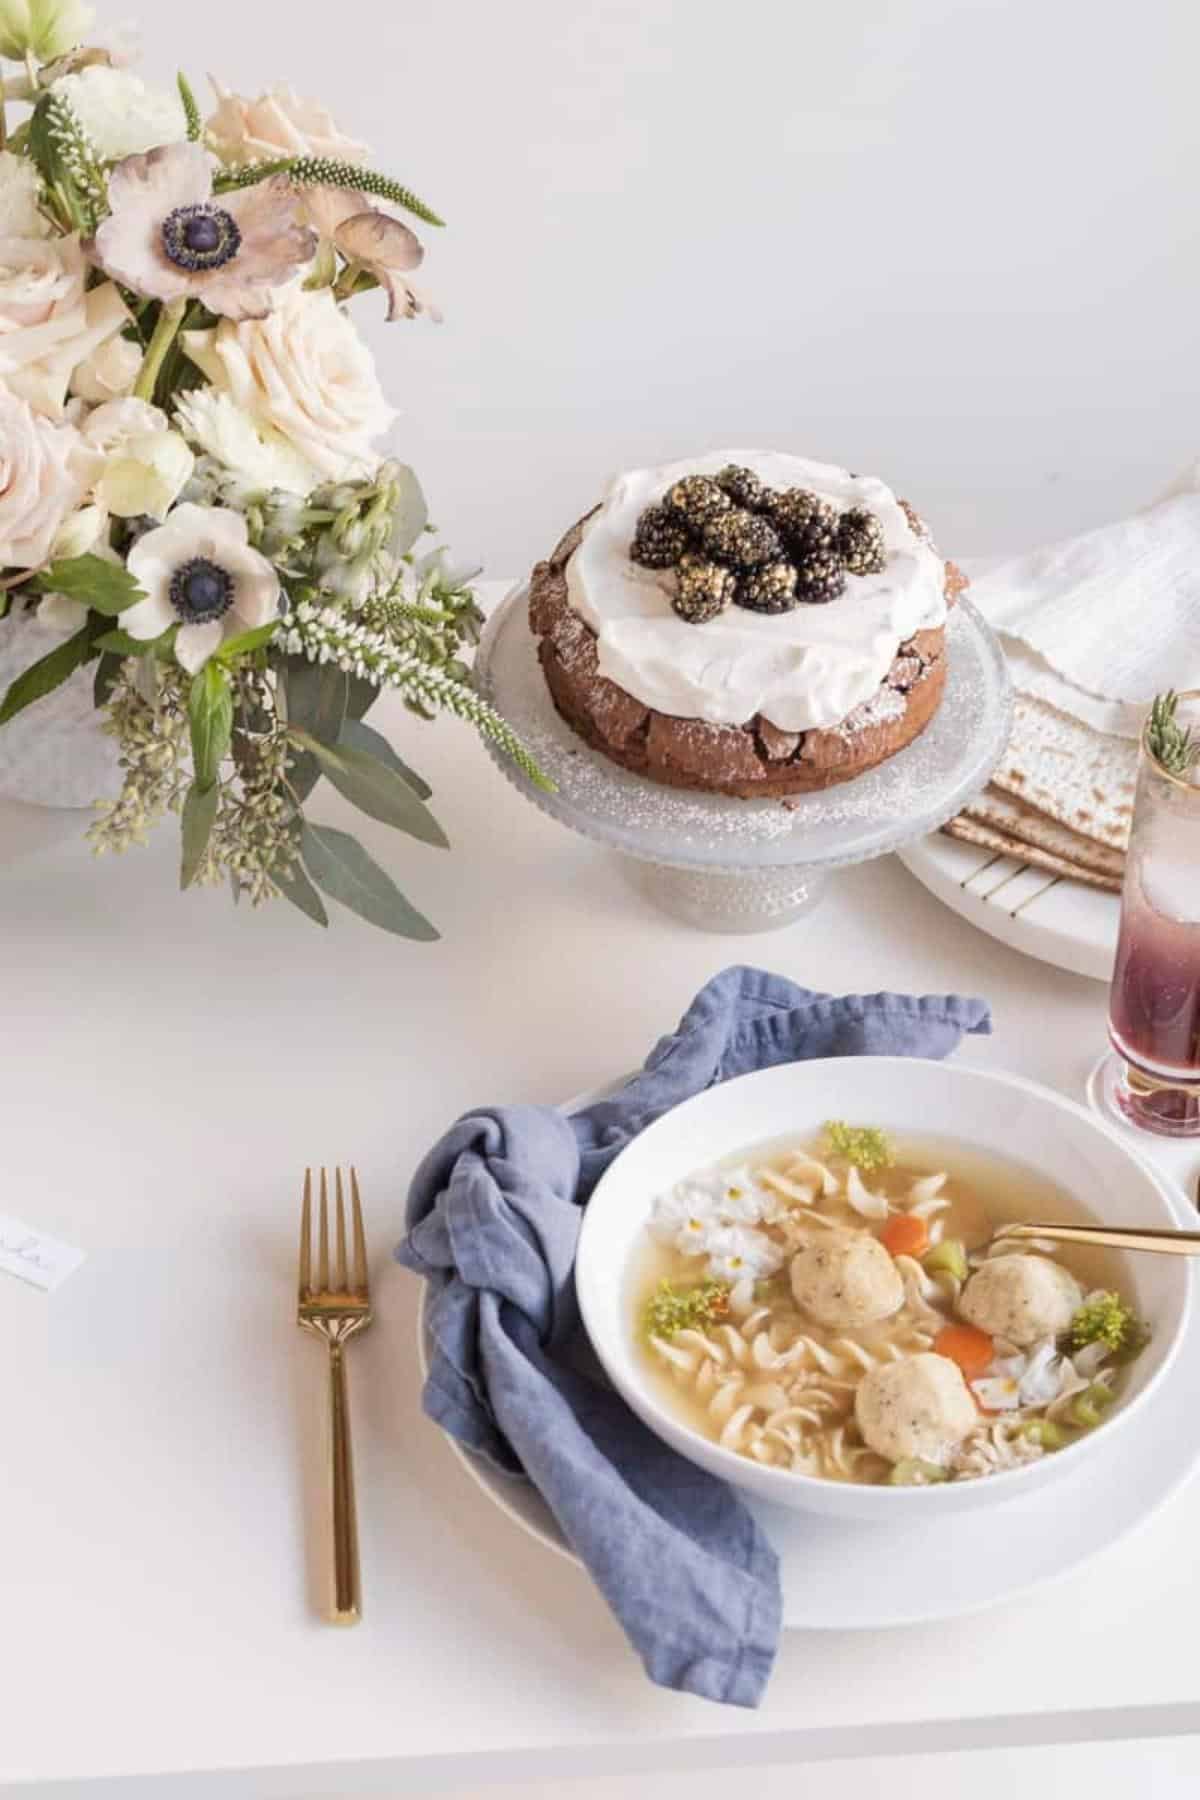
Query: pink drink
x,y
1154,1007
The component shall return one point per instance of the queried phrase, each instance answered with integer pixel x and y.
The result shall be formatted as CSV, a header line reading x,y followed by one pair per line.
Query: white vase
x,y
54,753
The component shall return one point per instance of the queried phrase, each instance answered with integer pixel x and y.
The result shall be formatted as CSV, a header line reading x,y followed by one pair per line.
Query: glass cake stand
x,y
750,865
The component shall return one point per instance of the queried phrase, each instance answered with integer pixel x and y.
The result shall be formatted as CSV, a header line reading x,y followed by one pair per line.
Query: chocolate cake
x,y
746,624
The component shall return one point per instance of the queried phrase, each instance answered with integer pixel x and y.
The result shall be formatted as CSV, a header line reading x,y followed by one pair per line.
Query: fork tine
x,y
323,1248
306,1237
360,1242
339,1277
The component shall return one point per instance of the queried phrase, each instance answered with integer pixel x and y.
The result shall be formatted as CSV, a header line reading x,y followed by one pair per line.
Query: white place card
x,y
34,1257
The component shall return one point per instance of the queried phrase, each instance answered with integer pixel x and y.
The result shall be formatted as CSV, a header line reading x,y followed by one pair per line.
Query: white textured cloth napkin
x,y
1099,624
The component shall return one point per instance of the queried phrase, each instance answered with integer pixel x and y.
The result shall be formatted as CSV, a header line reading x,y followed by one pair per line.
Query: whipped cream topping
x,y
803,670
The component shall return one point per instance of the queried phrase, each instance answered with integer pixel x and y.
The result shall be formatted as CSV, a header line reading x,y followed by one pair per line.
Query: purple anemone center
x,y
200,237
201,590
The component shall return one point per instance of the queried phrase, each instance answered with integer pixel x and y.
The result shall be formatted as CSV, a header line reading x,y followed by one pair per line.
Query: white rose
x,y
120,114
279,123
19,215
259,460
108,372
45,471
146,464
304,373
49,321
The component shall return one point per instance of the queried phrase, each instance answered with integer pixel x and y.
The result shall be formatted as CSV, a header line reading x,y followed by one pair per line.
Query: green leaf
x,y
363,695
210,711
411,514
106,587
191,111
119,643
363,737
244,641
107,670
295,886
317,695
199,816
376,790
41,678
342,869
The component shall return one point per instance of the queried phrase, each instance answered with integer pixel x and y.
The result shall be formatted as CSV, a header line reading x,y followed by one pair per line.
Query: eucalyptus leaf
x,y
317,696
41,678
105,587
342,869
199,816
304,774
363,737
210,712
295,886
362,696
376,790
411,514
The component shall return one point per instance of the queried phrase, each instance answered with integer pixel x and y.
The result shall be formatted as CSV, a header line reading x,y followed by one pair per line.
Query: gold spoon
x,y
1166,1241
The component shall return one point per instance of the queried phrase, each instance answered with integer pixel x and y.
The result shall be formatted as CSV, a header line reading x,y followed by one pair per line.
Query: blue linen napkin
x,y
493,1219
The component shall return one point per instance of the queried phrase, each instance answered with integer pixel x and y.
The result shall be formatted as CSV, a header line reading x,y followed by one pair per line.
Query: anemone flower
x,y
200,573
374,238
168,237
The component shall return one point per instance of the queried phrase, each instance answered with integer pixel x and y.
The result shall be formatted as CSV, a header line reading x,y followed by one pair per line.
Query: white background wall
x,y
952,242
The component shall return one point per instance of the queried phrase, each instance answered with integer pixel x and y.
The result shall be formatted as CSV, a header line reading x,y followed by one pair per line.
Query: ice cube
x,y
1170,881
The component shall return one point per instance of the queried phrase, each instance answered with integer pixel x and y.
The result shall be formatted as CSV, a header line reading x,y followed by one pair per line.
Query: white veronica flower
x,y
200,573
736,1253
120,114
19,215
260,459
686,1218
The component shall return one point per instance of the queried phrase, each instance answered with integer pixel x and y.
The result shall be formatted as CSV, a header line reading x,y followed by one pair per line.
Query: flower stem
x,y
169,321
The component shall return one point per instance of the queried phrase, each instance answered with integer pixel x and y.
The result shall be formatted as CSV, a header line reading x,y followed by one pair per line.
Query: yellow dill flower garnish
x,y
863,1145
671,1309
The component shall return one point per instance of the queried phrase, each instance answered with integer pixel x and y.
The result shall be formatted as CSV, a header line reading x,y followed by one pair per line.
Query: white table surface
x,y
169,1066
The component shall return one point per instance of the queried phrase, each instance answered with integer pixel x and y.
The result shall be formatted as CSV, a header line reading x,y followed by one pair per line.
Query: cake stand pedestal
x,y
722,864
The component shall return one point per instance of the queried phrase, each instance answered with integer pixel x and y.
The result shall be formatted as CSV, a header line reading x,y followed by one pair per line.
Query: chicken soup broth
x,y
835,1305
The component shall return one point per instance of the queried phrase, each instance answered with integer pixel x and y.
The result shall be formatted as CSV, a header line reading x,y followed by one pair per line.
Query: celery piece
x,y
912,1472
1087,1408
1047,1433
947,1258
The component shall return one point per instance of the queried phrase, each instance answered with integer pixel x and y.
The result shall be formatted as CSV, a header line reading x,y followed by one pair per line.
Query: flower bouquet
x,y
191,489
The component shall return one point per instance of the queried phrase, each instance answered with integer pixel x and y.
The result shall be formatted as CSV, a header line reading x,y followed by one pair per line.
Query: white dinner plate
x,y
1048,916
844,1576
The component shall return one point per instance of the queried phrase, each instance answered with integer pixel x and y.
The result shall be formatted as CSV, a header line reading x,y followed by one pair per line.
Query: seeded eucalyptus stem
x,y
169,320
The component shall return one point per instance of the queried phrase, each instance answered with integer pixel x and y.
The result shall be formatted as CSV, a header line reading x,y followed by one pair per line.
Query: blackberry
x,y
742,539
659,539
704,589
808,523
696,499
860,542
771,589
744,487
820,577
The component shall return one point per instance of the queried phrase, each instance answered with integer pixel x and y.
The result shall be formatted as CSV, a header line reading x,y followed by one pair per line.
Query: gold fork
x,y
335,1310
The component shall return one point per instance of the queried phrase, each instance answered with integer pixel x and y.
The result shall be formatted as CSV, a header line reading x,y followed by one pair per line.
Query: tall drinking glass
x,y
1154,1007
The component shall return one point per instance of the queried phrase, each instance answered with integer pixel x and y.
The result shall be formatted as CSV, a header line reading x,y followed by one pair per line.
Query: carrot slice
x,y
967,1346
905,1235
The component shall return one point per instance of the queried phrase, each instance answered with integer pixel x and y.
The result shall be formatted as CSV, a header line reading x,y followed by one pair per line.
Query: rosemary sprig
x,y
1170,744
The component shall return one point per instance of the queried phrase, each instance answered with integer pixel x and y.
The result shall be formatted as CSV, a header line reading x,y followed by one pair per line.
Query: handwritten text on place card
x,y
33,1256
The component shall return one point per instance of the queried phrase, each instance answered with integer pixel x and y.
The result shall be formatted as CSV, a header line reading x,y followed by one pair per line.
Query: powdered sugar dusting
x,y
906,797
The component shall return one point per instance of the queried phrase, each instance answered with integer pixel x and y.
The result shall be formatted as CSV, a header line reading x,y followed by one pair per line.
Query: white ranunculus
x,y
304,373
49,320
120,114
198,571
278,123
85,533
260,460
19,215
45,471
47,28
109,372
146,464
